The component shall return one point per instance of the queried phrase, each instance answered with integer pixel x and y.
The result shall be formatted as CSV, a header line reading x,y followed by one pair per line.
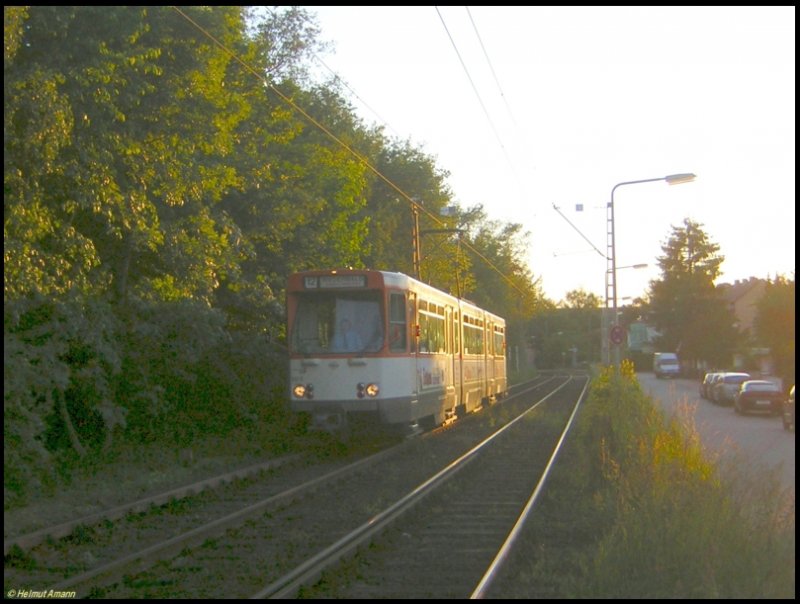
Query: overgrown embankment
x,y
634,510
87,386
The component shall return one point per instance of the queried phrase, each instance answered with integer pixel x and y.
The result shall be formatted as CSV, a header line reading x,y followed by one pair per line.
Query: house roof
x,y
733,292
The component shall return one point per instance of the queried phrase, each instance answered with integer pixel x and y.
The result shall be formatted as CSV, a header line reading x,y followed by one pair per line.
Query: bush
x,y
59,361
677,529
79,374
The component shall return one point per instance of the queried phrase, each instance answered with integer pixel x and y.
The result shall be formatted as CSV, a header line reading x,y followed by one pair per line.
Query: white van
x,y
665,364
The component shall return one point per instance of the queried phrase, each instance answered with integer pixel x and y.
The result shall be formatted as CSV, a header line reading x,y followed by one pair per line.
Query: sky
x,y
529,109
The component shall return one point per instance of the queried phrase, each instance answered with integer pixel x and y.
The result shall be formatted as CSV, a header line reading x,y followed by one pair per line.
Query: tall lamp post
x,y
611,287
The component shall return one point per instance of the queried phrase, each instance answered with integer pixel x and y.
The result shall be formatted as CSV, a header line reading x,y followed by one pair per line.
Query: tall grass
x,y
674,526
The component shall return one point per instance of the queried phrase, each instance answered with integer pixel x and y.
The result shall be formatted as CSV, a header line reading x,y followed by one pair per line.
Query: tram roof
x,y
402,281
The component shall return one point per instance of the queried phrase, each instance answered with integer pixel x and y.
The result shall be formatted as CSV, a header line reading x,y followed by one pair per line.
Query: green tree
x,y
503,281
580,298
42,249
774,325
123,133
408,180
302,202
685,307
567,333
585,308
109,147
157,191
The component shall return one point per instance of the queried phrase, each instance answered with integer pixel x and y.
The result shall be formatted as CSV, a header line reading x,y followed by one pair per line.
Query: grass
x,y
636,511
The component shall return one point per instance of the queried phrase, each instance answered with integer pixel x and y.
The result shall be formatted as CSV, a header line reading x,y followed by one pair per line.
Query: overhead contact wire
x,y
366,163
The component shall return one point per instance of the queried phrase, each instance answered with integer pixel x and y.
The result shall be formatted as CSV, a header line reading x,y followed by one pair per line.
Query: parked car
x,y
712,386
788,411
727,385
758,395
665,364
705,385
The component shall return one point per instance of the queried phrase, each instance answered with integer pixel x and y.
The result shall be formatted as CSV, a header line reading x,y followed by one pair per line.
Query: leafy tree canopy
x,y
685,307
775,324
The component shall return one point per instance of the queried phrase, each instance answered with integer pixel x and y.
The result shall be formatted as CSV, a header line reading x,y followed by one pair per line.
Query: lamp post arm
x,y
634,182
613,255
672,179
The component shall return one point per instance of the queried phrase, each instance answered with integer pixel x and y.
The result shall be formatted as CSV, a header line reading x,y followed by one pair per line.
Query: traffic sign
x,y
616,335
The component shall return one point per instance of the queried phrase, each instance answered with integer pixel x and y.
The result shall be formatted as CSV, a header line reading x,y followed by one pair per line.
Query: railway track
x,y
449,537
234,540
26,541
147,530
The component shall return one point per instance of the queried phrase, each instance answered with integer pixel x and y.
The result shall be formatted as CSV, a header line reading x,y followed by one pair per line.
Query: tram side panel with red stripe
x,y
386,347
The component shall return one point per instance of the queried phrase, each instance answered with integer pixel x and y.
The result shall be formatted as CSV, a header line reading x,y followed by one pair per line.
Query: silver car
x,y
727,385
705,385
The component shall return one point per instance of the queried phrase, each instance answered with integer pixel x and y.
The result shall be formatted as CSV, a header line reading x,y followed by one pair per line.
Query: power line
x,y
511,165
338,78
471,82
491,67
316,123
556,208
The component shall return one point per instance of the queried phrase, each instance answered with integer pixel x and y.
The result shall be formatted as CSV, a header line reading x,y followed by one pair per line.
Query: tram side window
x,y
473,338
499,343
456,334
398,329
432,331
412,320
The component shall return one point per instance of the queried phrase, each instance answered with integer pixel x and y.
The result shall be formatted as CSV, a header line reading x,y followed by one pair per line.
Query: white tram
x,y
386,347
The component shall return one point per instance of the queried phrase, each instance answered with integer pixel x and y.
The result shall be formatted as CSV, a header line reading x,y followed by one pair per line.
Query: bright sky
x,y
532,107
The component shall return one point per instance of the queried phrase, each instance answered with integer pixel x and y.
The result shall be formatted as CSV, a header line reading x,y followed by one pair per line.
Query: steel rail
x,y
492,572
219,524
312,568
64,529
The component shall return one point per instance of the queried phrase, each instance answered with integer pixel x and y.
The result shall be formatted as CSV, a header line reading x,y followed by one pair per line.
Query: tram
x,y
384,347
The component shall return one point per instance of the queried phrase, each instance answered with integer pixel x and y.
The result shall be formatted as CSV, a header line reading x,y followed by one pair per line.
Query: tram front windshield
x,y
337,323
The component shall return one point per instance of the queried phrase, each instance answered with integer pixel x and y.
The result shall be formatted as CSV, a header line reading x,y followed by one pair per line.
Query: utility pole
x,y
416,241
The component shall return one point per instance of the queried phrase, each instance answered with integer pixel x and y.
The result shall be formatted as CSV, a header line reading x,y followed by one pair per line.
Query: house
x,y
743,297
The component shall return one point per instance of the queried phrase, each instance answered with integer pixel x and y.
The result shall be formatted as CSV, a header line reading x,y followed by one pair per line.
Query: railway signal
x,y
616,335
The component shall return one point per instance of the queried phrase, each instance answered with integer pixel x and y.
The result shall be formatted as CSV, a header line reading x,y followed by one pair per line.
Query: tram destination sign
x,y
335,281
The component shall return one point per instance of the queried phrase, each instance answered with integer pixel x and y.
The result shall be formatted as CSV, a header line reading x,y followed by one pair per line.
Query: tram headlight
x,y
371,390
303,391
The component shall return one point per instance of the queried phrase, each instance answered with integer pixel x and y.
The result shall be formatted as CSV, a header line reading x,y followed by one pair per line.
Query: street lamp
x,y
672,179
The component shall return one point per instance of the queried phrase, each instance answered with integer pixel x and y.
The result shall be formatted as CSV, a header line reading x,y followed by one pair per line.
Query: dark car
x,y
760,396
788,411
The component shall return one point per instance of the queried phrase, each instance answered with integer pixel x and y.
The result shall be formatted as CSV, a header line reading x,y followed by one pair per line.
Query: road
x,y
752,442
